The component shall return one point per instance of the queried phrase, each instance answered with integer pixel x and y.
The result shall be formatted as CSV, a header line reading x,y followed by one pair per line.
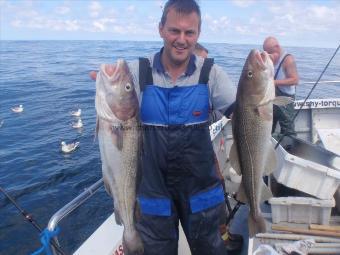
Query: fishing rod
x,y
29,218
316,83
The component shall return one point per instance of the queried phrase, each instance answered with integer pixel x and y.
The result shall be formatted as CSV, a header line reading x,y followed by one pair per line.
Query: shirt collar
x,y
157,63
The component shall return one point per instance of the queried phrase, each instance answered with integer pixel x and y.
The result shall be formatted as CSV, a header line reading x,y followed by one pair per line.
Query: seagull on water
x,y
18,109
67,148
78,124
76,113
1,123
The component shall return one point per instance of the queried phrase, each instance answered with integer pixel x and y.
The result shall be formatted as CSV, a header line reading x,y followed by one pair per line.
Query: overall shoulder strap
x,y
205,71
279,67
145,73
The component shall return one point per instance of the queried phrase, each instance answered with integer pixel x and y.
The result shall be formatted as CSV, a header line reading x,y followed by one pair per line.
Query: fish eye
x,y
250,74
128,87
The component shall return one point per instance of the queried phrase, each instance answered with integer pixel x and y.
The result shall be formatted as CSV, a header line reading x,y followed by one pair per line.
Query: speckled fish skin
x,y
252,151
119,138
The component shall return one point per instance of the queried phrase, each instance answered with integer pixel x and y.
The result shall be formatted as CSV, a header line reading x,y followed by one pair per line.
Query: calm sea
x,y
50,79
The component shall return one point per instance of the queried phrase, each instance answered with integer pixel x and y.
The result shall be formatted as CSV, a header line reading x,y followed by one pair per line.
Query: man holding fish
x,y
164,101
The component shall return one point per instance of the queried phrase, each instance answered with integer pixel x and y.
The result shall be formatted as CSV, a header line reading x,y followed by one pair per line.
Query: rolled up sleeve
x,y
222,89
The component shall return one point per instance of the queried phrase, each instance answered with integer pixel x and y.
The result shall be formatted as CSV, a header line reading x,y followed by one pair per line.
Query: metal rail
x,y
312,82
71,206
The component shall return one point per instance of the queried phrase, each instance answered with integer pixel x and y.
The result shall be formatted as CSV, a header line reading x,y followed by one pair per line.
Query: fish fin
x,y
118,137
241,194
256,225
271,161
265,103
281,100
96,130
118,218
266,194
132,243
107,187
264,112
233,158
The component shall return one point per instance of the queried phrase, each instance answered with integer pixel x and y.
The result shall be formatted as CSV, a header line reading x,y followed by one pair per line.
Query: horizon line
x,y
157,41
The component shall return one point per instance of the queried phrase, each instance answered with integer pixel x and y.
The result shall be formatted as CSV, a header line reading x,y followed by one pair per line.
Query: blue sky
x,y
293,22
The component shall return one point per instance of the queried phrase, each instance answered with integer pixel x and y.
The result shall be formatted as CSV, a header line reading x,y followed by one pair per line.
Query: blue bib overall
x,y
179,179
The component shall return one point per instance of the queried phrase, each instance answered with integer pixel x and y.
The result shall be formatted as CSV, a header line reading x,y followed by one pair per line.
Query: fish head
x,y
257,78
119,90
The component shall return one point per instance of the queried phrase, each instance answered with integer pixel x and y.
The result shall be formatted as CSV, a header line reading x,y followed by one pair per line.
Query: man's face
x,y
180,34
272,47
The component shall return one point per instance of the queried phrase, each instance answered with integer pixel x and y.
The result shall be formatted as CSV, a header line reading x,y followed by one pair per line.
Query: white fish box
x,y
301,210
306,176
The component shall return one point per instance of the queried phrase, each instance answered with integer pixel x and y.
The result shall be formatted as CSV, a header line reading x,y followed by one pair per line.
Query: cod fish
x,y
252,153
118,134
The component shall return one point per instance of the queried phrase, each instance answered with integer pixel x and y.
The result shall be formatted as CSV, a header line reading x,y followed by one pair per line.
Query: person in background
x,y
201,51
233,242
286,79
179,178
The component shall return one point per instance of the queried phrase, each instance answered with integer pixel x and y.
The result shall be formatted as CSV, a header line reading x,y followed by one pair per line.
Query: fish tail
x,y
96,130
256,225
132,243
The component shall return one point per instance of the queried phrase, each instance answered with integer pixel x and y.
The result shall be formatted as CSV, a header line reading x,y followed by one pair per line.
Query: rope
x,y
45,239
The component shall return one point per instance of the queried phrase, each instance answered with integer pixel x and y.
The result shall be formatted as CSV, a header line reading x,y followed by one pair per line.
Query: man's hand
x,y
93,75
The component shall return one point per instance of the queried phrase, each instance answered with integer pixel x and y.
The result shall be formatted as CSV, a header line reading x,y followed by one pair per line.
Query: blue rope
x,y
45,238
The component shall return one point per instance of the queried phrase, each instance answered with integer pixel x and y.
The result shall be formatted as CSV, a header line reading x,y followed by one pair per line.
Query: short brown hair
x,y
182,6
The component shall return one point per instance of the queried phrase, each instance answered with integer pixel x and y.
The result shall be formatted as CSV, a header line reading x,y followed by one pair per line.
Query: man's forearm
x,y
287,82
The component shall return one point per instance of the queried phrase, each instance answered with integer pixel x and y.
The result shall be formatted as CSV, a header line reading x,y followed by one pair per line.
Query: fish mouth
x,y
111,70
261,58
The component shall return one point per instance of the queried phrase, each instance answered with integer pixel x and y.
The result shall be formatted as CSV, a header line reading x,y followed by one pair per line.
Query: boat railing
x,y
320,82
71,206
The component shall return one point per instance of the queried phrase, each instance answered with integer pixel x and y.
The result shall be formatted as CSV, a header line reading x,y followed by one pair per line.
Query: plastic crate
x,y
304,175
301,210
